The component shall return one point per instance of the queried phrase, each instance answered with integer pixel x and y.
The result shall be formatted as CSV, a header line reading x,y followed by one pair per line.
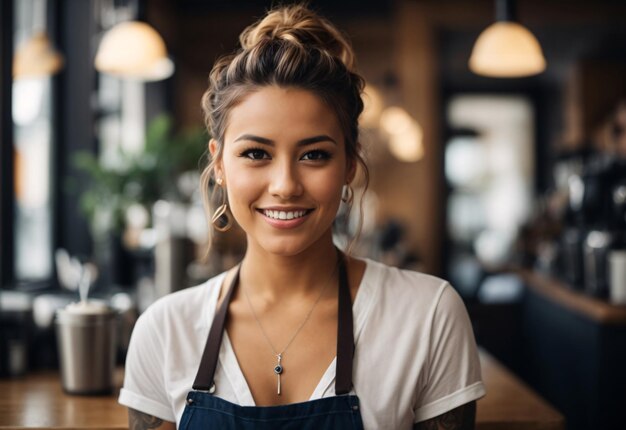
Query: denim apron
x,y
342,411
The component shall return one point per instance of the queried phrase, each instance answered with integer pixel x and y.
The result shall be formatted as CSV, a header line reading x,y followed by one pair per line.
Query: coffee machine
x,y
596,223
574,231
604,204
596,218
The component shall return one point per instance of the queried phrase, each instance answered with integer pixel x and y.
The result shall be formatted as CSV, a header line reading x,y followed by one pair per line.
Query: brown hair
x,y
290,47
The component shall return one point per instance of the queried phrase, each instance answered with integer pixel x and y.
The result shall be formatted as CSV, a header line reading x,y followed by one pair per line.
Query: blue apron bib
x,y
342,411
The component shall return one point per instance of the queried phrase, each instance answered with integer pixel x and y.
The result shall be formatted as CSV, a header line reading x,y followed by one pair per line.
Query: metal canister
x,y
87,344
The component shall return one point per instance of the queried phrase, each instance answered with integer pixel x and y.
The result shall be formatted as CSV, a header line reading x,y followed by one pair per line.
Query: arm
x,y
461,418
140,421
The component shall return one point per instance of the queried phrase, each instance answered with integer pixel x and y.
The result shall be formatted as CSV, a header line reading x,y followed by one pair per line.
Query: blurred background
x,y
495,132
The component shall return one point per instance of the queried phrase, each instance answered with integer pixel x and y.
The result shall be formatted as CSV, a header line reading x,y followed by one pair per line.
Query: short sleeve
x,y
453,375
144,386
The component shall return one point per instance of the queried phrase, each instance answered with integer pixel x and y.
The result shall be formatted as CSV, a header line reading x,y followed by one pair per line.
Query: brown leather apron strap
x,y
208,363
345,337
345,333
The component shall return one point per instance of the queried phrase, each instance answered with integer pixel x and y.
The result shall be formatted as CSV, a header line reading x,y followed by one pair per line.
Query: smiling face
x,y
284,165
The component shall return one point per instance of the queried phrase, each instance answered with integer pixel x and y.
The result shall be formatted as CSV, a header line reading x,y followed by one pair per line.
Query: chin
x,y
285,248
288,246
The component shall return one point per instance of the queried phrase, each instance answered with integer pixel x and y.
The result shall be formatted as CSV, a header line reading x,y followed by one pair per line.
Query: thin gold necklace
x,y
278,369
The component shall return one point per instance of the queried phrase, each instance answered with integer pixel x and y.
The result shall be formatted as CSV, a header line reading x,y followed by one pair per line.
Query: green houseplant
x,y
137,180
141,178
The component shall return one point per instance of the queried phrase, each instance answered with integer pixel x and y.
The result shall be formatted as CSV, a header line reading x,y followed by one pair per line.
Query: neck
x,y
279,277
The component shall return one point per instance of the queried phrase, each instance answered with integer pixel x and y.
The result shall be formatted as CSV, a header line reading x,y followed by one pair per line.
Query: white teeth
x,y
283,214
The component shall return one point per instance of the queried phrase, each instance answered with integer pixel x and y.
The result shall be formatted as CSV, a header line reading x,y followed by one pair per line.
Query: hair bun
x,y
299,25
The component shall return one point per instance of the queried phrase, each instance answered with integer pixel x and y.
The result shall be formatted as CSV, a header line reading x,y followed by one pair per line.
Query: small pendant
x,y
278,369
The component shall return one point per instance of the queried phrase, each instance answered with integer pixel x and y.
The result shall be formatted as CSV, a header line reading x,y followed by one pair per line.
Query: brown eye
x,y
316,155
255,154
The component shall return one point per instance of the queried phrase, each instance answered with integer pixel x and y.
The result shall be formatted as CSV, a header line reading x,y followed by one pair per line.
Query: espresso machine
x,y
595,224
573,235
599,223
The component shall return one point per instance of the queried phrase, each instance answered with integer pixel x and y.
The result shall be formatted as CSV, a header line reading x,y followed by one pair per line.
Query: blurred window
x,y
120,119
120,126
33,132
489,168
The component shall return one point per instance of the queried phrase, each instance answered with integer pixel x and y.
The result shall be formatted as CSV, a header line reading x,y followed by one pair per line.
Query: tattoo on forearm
x,y
140,421
461,418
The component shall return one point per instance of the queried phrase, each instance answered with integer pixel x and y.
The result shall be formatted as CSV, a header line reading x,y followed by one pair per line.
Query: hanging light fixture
x,y
404,133
506,49
36,57
373,104
133,49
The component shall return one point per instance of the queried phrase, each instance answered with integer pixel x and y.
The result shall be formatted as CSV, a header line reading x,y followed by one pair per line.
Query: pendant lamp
x,y
404,132
373,105
506,49
134,50
36,57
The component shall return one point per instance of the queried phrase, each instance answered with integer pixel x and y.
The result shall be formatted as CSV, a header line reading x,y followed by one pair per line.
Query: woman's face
x,y
284,165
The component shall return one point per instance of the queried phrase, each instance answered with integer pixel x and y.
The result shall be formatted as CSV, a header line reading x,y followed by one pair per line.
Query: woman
x,y
298,335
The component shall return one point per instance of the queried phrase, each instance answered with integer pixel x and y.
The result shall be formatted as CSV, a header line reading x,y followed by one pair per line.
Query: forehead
x,y
282,113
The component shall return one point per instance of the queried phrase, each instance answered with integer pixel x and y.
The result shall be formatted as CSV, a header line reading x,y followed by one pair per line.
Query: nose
x,y
285,182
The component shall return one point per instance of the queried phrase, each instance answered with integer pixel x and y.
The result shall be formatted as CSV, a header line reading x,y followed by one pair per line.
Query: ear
x,y
213,150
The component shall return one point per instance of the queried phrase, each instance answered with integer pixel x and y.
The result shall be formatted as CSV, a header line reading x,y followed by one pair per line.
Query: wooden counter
x,y
597,310
574,350
510,404
37,401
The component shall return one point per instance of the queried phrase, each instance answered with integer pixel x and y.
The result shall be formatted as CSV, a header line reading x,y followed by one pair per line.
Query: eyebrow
x,y
302,142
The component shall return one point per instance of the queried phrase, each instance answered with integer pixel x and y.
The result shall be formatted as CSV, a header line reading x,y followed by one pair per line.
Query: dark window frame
x,y
72,119
7,197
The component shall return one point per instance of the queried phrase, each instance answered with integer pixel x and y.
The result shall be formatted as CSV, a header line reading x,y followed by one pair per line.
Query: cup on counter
x,y
617,276
87,344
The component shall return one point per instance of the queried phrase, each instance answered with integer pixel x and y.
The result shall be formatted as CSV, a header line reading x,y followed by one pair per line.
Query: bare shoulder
x,y
140,421
461,418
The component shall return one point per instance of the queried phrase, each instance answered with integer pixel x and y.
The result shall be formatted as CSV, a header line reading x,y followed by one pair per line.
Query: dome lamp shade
x,y
506,49
36,57
134,50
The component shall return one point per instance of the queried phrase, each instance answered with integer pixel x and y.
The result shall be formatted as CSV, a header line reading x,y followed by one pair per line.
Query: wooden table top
x,y
510,404
38,402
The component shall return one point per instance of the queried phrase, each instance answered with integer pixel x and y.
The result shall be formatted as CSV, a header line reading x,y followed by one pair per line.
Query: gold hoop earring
x,y
222,220
347,196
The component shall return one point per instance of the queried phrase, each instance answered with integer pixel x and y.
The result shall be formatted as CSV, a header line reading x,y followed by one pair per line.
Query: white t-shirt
x,y
415,355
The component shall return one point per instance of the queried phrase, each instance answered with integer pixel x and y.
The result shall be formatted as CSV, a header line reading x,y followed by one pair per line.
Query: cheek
x,y
242,188
326,186
233,181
